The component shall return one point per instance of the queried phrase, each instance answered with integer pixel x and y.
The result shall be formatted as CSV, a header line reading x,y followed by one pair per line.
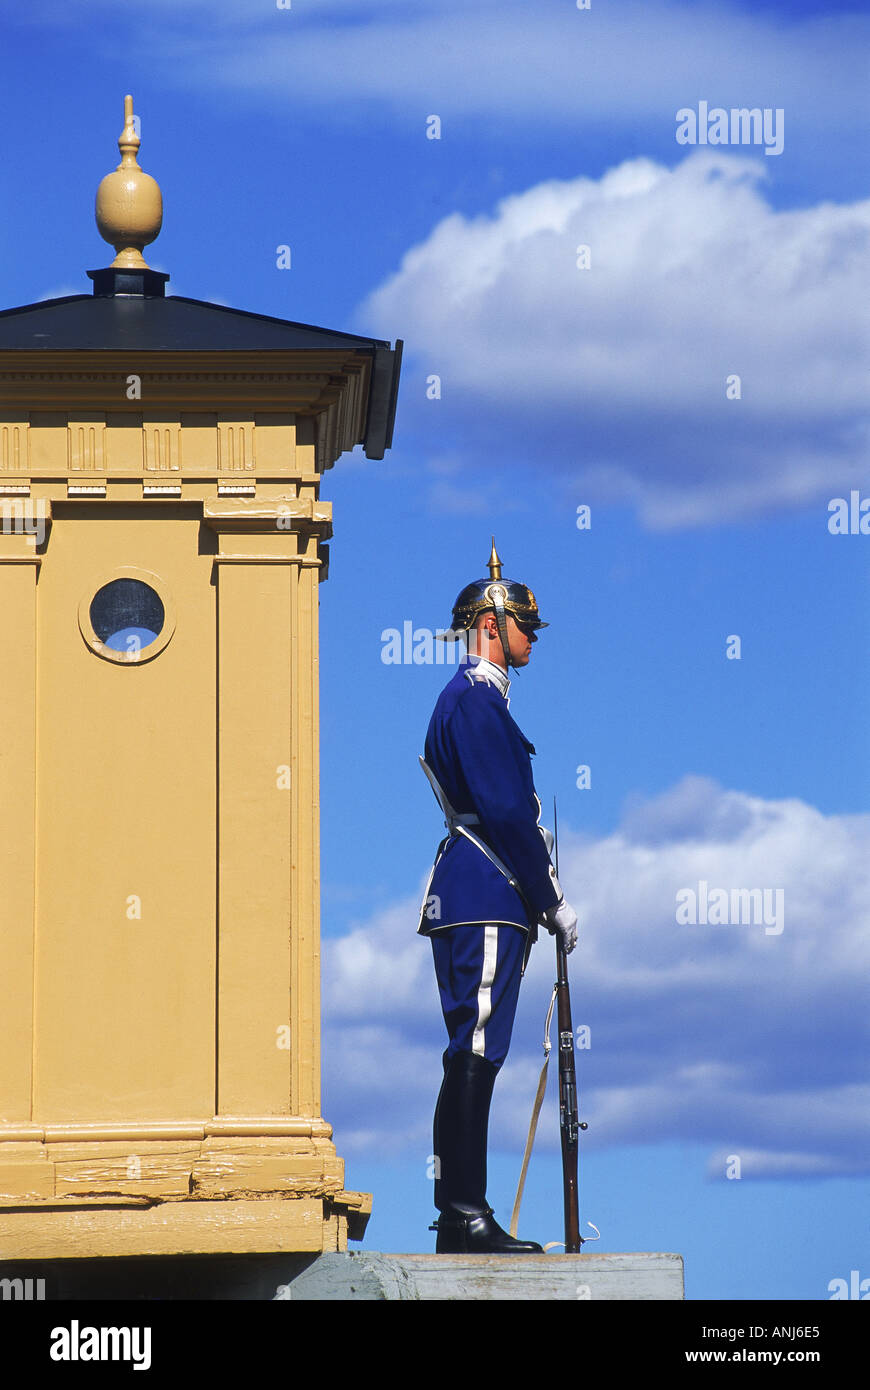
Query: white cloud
x,y
754,1043
548,62
622,367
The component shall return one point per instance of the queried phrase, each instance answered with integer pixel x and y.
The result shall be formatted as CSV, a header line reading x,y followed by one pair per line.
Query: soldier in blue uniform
x,y
492,883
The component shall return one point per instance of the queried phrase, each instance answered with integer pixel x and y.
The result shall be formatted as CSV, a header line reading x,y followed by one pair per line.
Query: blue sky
x,y
560,386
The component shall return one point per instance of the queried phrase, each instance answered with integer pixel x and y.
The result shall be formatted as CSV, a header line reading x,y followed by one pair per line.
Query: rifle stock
x,y
569,1123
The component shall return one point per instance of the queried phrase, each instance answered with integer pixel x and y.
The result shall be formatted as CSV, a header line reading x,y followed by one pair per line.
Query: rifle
x,y
569,1123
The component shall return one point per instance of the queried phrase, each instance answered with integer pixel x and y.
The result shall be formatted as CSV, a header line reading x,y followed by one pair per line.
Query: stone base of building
x,y
115,1229
234,1187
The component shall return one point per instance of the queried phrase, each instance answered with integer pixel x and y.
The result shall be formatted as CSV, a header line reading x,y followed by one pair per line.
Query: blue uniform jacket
x,y
482,761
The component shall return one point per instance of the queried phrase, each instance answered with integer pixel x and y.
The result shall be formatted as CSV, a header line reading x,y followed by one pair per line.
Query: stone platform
x,y
368,1275
338,1277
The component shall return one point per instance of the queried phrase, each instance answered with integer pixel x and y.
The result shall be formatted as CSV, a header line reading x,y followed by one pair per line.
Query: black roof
x,y
130,311
154,324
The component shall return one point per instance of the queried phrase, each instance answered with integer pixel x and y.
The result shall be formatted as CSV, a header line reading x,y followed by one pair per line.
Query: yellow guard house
x,y
161,546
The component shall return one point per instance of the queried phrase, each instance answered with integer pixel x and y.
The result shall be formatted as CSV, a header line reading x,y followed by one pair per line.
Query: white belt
x,y
457,823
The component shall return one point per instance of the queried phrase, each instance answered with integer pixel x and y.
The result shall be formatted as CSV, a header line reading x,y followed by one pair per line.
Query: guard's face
x,y
520,639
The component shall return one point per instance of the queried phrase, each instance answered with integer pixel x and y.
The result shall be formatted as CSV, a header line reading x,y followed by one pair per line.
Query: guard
x,y
492,883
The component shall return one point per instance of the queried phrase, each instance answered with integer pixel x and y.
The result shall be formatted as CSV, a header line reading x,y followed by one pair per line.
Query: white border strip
x,y
484,993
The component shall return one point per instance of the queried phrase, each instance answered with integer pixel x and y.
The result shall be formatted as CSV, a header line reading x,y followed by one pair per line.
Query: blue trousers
x,y
479,968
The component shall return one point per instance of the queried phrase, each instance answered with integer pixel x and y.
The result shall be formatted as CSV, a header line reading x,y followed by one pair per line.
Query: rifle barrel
x,y
568,1118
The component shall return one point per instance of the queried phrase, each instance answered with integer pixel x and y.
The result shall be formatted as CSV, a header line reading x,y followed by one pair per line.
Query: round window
x,y
129,618
127,615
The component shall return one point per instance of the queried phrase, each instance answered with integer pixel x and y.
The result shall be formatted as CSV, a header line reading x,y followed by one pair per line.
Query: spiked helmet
x,y
498,595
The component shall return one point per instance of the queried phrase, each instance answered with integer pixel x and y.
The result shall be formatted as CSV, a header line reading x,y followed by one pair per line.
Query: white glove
x,y
562,919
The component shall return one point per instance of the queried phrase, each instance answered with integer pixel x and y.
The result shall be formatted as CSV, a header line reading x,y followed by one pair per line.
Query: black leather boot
x,y
478,1233
466,1225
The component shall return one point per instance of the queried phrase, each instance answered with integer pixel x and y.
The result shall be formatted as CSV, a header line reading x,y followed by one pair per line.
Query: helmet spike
x,y
494,563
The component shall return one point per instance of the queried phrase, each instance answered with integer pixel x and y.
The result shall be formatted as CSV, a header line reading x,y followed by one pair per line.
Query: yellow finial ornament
x,y
129,206
494,563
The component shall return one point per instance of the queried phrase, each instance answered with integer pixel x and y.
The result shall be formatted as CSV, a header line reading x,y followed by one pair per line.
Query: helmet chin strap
x,y
497,594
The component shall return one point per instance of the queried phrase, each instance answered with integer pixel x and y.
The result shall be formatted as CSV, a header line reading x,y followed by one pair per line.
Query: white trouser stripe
x,y
484,994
